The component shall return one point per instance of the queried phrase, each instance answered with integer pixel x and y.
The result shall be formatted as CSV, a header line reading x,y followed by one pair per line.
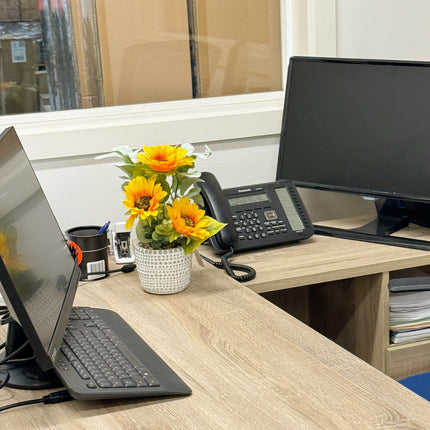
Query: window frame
x,y
90,131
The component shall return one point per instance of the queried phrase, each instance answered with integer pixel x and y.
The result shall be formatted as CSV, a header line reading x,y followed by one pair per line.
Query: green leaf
x,y
164,185
127,159
198,200
174,186
174,235
194,194
128,169
185,184
214,225
191,246
144,231
165,228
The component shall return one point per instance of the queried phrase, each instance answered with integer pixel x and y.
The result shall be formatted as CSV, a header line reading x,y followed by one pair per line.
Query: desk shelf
x,y
408,359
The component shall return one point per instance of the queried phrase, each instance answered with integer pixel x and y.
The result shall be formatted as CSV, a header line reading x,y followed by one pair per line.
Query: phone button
x,y
270,215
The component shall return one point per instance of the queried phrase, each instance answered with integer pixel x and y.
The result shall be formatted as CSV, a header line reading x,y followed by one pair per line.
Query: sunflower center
x,y
188,221
142,202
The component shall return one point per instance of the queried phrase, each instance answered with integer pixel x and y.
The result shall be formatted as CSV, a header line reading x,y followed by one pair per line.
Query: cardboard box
x,y
16,99
238,46
20,59
9,10
144,51
140,51
29,10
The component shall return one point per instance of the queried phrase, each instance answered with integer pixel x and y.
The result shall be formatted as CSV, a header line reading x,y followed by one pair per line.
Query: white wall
x,y
82,190
383,29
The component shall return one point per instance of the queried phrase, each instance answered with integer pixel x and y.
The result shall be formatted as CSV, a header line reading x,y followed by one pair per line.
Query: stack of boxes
x,y
21,68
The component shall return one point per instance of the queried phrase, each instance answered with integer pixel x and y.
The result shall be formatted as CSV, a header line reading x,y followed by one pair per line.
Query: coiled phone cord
x,y
231,267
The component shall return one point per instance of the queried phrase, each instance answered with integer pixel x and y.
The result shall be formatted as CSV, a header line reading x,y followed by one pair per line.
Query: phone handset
x,y
217,206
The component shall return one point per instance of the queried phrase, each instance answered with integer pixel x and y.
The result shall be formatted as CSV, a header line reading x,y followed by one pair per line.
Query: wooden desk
x,y
250,366
344,292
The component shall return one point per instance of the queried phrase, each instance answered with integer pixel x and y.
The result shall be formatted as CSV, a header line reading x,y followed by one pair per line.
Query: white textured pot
x,y
163,271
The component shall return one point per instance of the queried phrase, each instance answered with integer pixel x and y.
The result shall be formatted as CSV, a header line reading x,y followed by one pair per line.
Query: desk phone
x,y
257,216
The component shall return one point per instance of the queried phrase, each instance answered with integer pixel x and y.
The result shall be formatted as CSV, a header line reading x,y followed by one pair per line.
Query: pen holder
x,y
95,250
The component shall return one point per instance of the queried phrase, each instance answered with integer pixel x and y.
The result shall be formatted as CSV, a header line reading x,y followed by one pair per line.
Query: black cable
x,y
9,358
21,360
231,268
6,319
55,397
126,269
5,315
14,353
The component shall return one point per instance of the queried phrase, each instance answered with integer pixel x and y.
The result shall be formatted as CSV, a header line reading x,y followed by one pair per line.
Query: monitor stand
x,y
24,372
393,215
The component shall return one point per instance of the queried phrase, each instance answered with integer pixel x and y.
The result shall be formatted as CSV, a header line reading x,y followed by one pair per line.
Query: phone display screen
x,y
290,209
244,200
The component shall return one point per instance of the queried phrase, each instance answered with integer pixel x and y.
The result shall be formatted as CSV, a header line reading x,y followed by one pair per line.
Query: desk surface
x,y
249,364
325,259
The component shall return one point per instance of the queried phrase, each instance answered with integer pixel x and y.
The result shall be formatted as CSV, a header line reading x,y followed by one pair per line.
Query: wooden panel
x,y
354,314
295,301
408,359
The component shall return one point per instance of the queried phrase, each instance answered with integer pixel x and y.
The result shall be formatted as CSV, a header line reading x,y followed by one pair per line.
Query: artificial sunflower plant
x,y
160,194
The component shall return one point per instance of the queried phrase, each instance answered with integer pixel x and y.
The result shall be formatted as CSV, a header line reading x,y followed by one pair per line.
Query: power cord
x,y
231,268
127,268
55,397
14,353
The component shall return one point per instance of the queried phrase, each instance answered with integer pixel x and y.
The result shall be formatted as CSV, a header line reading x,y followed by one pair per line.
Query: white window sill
x,y
92,131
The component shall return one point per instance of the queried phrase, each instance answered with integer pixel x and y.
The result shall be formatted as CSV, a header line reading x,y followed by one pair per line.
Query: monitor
x,y
361,126
38,273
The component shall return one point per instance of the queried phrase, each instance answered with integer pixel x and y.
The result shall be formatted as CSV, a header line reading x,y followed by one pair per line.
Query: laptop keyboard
x,y
96,362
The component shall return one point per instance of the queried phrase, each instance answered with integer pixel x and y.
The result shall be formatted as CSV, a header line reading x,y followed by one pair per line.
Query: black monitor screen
x,y
38,274
357,125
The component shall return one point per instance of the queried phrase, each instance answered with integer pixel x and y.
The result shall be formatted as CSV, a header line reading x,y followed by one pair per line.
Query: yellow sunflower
x,y
165,158
188,220
143,198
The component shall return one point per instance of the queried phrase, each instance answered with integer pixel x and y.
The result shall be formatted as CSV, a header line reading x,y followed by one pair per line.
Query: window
x,y
207,119
63,54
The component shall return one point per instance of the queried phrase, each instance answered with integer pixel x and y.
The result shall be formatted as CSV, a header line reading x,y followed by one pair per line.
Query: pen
x,y
104,228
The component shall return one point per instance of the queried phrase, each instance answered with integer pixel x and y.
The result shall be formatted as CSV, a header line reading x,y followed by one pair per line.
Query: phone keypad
x,y
257,224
